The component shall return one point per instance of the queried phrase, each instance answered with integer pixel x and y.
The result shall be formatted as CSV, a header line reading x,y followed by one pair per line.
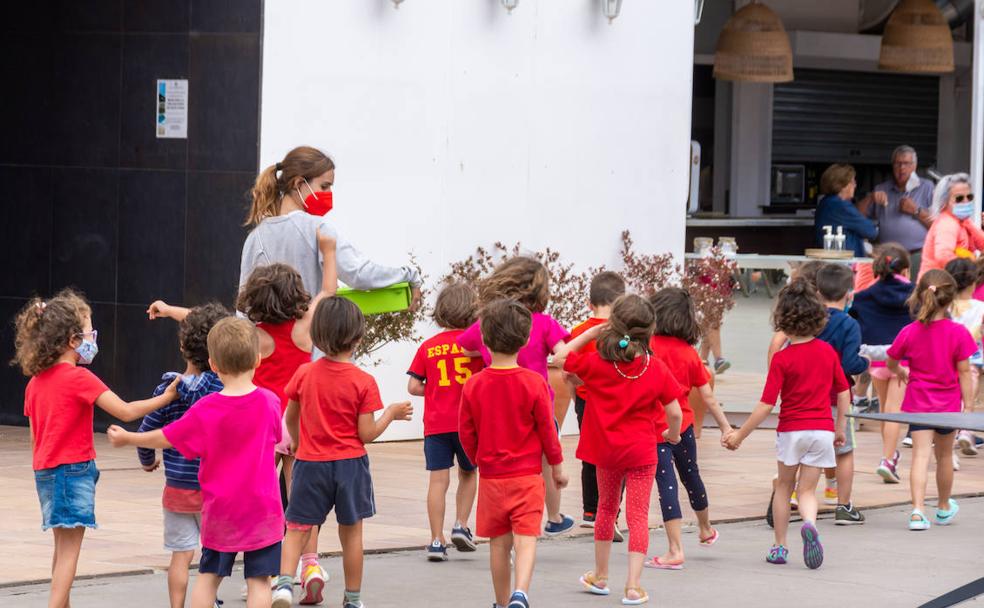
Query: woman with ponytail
x,y
628,388
290,201
938,379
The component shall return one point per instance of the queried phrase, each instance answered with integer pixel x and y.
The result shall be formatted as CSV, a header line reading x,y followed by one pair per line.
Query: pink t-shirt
x,y
545,333
234,437
933,352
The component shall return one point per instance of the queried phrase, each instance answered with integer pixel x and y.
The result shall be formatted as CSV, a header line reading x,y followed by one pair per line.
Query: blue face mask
x,y
87,351
963,210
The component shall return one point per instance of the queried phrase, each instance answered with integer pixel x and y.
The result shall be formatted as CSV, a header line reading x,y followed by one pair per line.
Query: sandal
x,y
710,540
921,523
945,516
654,562
592,584
642,599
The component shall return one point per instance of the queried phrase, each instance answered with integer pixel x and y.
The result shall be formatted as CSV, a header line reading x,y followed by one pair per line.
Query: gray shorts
x,y
851,441
181,531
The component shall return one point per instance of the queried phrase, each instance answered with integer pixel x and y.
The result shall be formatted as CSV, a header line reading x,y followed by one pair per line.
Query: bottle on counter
x,y
828,238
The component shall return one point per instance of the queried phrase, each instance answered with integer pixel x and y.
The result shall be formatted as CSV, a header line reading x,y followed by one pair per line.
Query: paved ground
x,y
879,564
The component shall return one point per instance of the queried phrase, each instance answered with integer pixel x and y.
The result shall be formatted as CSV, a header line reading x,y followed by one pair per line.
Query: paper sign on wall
x,y
172,109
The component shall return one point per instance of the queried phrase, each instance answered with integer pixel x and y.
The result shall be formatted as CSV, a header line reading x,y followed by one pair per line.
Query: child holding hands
x,y
507,428
330,417
633,400
804,374
53,340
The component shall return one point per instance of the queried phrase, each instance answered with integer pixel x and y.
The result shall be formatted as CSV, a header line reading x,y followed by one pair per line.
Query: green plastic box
x,y
395,298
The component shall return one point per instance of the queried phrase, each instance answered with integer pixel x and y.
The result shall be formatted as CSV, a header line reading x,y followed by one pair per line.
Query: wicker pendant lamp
x,y
754,47
917,39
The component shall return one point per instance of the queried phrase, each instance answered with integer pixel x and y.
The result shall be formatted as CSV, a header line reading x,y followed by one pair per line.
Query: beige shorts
x,y
812,448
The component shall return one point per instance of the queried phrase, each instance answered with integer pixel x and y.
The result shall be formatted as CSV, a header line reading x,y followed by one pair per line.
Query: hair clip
x,y
624,342
888,259
932,288
279,166
40,307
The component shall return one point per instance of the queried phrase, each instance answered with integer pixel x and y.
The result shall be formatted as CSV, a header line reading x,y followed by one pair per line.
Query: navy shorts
x,y
342,485
260,562
68,495
913,428
440,451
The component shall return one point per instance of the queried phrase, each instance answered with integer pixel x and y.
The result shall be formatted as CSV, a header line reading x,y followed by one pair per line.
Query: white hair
x,y
905,150
941,195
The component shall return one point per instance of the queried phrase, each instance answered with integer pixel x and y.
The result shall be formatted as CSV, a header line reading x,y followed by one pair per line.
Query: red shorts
x,y
513,504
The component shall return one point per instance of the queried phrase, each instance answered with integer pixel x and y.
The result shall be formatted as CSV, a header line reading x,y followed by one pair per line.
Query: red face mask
x,y
317,203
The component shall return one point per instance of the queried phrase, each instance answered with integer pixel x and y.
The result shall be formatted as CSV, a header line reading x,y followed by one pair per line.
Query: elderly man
x,y
901,206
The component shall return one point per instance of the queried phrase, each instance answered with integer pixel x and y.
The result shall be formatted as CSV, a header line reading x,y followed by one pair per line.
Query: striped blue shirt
x,y
179,472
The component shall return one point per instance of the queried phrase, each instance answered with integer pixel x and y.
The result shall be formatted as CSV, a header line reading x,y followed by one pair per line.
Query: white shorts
x,y
181,531
812,448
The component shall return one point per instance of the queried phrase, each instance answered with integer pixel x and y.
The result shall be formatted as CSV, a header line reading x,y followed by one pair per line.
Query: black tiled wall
x,y
93,200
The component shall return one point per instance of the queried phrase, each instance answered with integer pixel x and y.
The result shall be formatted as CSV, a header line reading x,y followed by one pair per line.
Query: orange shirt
x,y
332,396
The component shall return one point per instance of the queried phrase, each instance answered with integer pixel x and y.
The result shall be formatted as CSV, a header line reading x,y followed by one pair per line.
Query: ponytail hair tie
x,y
624,342
279,166
888,259
932,288
39,306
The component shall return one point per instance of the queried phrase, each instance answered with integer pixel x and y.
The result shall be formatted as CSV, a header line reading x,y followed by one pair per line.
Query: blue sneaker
x,y
519,599
566,524
436,552
462,539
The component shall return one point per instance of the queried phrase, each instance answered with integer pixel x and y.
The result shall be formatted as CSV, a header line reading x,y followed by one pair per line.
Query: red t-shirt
x,y
443,368
626,417
582,391
506,423
60,402
805,375
332,396
687,368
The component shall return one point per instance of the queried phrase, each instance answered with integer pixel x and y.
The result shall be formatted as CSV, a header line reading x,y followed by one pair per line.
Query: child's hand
x,y
158,309
903,374
732,441
171,392
840,438
151,467
726,433
559,477
671,439
595,331
117,436
293,446
402,410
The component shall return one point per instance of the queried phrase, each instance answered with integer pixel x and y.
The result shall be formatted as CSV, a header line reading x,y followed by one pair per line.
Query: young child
x,y
437,373
804,375
330,416
606,287
275,299
54,340
506,427
882,311
834,284
182,499
676,333
968,312
628,389
937,379
233,432
528,282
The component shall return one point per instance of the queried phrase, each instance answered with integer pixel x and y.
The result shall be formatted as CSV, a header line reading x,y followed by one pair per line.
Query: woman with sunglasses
x,y
956,230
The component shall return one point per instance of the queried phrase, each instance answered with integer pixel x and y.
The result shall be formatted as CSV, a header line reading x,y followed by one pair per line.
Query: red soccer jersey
x,y
60,403
687,368
332,396
582,391
805,375
507,424
443,368
626,417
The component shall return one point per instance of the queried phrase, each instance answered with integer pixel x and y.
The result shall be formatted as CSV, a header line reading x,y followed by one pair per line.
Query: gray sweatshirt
x,y
292,239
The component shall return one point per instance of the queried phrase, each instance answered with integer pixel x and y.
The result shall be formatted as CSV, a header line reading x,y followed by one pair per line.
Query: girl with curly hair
x,y
54,339
805,374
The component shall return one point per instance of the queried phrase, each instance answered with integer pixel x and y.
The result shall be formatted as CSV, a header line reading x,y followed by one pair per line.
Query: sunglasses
x,y
963,197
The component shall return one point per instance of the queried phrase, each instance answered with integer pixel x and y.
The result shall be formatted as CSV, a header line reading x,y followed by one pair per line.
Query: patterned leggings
x,y
684,456
638,491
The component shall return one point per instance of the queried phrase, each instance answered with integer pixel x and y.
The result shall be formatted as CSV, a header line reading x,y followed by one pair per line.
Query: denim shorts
x,y
440,451
68,495
317,488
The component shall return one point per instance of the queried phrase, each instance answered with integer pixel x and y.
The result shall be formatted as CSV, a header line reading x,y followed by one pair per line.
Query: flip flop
x,y
642,599
710,540
590,582
654,562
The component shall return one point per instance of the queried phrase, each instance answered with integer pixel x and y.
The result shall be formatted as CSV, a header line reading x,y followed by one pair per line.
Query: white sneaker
x,y
956,462
283,598
966,443
907,442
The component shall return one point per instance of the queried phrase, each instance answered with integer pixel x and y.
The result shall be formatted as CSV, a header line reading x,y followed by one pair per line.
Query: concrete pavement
x,y
880,564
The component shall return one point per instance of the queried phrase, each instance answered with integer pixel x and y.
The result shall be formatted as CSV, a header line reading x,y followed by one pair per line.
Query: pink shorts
x,y
881,372
284,446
